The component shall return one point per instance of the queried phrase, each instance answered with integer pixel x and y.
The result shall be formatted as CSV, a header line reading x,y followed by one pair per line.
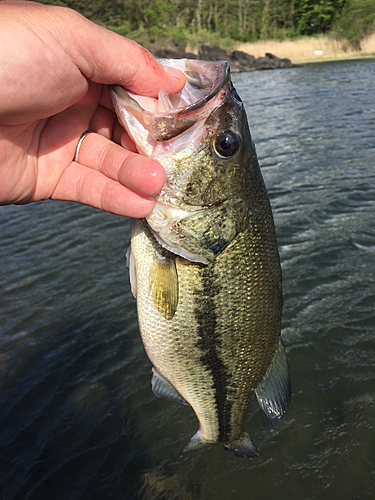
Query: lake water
x,y
78,419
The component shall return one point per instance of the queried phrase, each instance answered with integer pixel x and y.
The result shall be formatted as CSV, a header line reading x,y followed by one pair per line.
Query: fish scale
x,y
205,267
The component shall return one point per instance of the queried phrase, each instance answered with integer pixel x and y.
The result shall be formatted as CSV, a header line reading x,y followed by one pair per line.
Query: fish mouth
x,y
169,116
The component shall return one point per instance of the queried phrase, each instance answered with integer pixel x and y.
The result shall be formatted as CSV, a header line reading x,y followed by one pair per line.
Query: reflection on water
x,y
78,419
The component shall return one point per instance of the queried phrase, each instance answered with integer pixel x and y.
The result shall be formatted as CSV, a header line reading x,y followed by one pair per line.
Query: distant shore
x,y
307,50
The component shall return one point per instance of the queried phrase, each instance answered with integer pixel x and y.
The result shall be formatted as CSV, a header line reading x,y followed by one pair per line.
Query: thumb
x,y
106,57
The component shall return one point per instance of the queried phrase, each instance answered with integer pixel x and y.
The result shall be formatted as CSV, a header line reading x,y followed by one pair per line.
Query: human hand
x,y
55,65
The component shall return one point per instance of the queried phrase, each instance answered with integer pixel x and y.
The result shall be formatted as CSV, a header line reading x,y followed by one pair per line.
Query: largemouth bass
x,y
204,266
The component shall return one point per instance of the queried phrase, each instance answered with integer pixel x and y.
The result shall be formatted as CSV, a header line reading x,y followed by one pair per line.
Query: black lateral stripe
x,y
208,342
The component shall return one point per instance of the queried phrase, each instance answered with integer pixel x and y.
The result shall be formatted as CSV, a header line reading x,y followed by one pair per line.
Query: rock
x,y
265,63
213,53
173,54
282,63
243,58
241,61
271,61
167,47
287,63
238,61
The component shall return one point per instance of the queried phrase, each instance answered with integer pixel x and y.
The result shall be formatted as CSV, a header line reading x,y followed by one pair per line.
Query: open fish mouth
x,y
169,116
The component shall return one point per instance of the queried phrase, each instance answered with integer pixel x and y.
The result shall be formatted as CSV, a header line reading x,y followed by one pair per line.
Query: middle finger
x,y
142,175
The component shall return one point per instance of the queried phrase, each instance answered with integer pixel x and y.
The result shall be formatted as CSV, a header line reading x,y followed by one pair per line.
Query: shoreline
x,y
310,50
335,59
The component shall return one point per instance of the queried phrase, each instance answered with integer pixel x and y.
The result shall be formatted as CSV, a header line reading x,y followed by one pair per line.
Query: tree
x,y
357,22
316,16
214,20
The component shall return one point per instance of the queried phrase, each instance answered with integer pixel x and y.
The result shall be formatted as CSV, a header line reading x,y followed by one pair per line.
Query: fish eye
x,y
227,144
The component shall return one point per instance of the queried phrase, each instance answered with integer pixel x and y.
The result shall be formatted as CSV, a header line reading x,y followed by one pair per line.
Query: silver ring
x,y
87,132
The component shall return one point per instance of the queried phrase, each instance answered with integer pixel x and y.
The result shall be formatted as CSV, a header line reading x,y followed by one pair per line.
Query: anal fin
x,y
273,391
195,443
164,389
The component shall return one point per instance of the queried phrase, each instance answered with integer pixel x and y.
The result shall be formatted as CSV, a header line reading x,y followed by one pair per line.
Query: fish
x,y
204,265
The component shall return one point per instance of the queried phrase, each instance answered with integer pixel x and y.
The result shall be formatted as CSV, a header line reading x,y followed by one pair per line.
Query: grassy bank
x,y
306,50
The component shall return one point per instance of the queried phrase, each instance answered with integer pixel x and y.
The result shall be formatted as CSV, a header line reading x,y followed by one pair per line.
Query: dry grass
x,y
308,49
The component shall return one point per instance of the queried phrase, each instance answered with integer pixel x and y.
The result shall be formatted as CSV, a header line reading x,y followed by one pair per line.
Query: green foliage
x,y
222,21
316,16
357,21
159,15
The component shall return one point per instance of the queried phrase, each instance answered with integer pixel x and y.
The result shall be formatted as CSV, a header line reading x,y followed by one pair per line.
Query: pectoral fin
x,y
273,392
163,389
164,285
132,274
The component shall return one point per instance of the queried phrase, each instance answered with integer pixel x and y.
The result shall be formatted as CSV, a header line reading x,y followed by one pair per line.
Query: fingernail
x,y
174,72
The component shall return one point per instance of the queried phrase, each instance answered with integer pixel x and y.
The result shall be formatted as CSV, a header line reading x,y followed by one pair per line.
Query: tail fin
x,y
243,447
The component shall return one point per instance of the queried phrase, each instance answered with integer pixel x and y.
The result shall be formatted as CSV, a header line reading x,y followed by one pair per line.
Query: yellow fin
x,y
164,286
